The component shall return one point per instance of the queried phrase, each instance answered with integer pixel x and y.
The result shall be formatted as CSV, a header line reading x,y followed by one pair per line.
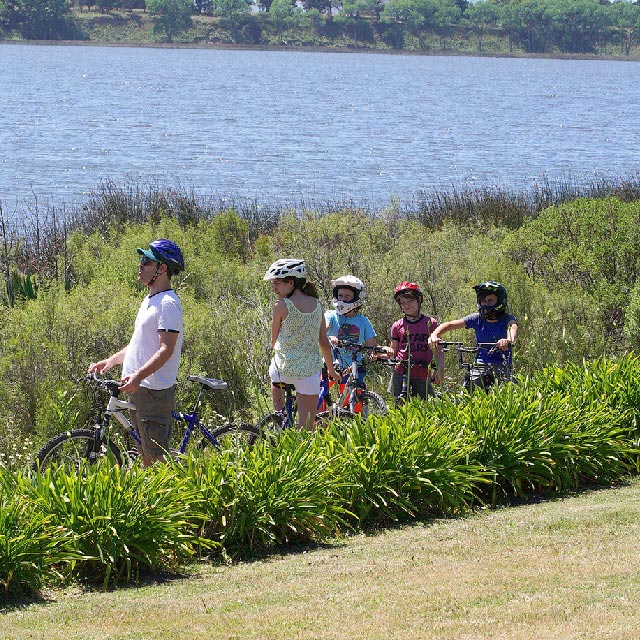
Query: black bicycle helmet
x,y
165,252
494,311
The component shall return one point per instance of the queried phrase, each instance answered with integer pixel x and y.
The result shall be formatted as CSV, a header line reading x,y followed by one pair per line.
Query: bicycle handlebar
x,y
413,363
445,344
357,348
110,385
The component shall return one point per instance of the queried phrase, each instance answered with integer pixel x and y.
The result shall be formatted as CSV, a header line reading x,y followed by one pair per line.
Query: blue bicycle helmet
x,y
165,252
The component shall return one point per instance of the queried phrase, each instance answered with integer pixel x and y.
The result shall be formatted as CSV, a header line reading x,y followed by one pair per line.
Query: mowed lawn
x,y
561,569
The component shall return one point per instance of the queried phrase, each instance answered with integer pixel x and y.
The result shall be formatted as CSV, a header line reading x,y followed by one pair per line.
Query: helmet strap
x,y
154,277
417,316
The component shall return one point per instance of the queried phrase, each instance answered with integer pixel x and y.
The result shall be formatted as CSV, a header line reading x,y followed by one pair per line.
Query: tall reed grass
x,y
502,207
32,241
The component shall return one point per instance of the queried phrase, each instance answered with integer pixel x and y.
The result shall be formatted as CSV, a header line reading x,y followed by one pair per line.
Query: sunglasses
x,y
144,261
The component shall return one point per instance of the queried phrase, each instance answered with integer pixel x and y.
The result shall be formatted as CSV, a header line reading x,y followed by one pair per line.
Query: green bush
x,y
33,547
404,465
268,495
123,521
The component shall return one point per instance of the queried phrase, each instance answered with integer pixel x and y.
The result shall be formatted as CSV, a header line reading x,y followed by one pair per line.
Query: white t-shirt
x,y
160,311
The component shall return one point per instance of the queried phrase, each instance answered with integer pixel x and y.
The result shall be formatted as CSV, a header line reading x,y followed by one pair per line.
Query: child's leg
x,y
277,396
419,388
307,406
307,392
396,386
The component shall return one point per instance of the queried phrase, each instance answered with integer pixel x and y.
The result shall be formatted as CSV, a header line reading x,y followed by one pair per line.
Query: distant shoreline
x,y
319,49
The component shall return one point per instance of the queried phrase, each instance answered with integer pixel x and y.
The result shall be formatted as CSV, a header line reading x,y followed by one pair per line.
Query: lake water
x,y
291,126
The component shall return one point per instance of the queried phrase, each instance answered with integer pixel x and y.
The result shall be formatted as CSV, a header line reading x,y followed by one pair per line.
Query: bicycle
x,y
91,444
404,394
353,400
478,374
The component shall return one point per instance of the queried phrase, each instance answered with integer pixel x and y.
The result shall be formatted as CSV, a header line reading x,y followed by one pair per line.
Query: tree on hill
x,y
39,19
173,16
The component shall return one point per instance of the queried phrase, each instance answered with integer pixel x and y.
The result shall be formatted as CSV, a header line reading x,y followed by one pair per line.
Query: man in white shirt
x,y
150,361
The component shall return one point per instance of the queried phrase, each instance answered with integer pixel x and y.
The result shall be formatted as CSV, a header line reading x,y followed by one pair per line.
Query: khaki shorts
x,y
152,418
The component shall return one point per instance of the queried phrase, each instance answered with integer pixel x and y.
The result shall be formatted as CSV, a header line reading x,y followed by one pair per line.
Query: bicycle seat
x,y
212,383
286,386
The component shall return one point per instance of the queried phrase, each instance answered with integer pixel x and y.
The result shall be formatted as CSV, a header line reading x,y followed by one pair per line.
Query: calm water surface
x,y
286,126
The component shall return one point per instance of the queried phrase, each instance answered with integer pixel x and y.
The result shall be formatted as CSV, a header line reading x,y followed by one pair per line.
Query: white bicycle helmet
x,y
286,268
359,293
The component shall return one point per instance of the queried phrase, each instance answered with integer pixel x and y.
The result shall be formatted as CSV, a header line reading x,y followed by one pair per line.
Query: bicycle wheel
x,y
325,417
271,423
373,404
232,436
70,448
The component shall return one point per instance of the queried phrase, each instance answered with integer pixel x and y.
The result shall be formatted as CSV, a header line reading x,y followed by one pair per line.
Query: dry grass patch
x,y
559,569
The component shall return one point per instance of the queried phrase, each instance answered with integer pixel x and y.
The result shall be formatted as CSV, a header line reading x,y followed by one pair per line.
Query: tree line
x,y
532,26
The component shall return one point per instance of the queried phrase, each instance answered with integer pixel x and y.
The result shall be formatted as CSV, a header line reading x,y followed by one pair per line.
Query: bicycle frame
x,y
115,408
486,373
289,410
348,392
350,386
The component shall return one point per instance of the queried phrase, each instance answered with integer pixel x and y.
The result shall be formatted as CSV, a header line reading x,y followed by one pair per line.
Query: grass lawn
x,y
563,569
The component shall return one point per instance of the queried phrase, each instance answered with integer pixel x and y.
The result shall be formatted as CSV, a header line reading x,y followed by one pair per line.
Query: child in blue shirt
x,y
492,324
346,323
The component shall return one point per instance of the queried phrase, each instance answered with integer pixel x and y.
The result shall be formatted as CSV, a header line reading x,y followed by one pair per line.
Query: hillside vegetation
x,y
70,298
554,27
70,294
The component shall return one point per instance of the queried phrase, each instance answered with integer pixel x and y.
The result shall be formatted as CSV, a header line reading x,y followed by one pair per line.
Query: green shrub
x,y
123,521
536,442
33,549
269,495
404,465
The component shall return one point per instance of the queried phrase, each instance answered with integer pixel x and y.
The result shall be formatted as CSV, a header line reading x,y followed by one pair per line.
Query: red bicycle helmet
x,y
408,289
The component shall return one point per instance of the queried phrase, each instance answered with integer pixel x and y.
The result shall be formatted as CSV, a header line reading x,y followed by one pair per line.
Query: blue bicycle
x,y
91,444
353,399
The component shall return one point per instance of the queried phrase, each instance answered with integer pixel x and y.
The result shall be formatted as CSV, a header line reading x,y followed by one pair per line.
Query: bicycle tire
x,y
271,423
325,417
373,404
70,448
232,436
